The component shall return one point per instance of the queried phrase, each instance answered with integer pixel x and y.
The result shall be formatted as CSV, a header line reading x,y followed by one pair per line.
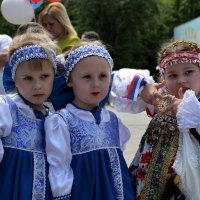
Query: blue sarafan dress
x,y
23,164
84,150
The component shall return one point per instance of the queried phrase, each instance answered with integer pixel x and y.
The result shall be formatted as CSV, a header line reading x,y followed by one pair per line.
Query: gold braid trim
x,y
173,47
151,192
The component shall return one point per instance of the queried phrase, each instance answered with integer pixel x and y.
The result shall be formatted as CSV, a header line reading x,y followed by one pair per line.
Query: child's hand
x,y
150,93
168,105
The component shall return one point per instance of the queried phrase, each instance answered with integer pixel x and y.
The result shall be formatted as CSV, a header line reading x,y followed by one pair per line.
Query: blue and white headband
x,y
30,52
82,52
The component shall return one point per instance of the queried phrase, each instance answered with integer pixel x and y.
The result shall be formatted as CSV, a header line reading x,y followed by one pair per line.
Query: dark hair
x,y
90,36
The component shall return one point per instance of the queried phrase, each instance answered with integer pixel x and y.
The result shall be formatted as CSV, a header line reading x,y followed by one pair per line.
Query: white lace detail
x,y
116,173
39,177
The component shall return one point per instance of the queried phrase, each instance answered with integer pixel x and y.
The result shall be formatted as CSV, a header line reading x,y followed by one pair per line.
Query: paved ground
x,y
137,123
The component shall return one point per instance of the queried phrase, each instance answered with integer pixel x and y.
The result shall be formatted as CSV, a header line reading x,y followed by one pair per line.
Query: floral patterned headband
x,y
179,57
82,52
30,52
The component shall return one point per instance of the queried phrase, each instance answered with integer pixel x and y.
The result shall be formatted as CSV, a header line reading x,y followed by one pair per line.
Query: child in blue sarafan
x,y
84,142
23,163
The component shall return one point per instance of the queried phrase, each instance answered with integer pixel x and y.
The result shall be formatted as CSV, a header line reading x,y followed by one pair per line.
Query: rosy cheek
x,y
197,76
169,84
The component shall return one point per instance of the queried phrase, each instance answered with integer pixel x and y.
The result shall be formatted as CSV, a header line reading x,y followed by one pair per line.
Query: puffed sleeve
x,y
189,111
5,123
124,134
187,164
59,156
122,80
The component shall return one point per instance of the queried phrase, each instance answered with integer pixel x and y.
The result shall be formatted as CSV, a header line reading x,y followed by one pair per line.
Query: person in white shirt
x,y
5,41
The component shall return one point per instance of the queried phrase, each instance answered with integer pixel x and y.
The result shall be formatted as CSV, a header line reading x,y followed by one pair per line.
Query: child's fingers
x,y
165,104
156,94
180,93
171,104
156,97
169,97
159,85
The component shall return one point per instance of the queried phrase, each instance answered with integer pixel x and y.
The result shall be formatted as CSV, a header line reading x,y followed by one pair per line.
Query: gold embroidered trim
x,y
166,126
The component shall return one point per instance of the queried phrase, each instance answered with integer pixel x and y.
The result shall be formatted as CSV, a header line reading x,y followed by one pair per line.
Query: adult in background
x,y
5,41
54,19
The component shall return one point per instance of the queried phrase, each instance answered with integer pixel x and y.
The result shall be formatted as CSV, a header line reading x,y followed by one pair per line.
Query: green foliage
x,y
133,30
125,25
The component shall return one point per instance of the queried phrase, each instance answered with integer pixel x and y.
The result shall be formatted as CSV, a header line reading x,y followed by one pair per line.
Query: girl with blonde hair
x,y
23,163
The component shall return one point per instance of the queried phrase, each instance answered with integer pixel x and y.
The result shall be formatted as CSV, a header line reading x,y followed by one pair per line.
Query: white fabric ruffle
x,y
189,111
187,162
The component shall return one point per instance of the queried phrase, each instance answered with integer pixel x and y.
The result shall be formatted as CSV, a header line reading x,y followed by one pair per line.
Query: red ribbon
x,y
35,1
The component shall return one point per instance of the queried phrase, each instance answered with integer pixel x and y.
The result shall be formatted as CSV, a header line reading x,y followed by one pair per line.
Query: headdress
x,y
82,52
179,56
29,52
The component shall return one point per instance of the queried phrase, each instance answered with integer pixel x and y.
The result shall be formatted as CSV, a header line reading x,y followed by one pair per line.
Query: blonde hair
x,y
57,11
31,38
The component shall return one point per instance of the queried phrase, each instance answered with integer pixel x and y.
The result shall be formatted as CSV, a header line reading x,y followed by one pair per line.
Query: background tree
x,y
121,26
132,29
